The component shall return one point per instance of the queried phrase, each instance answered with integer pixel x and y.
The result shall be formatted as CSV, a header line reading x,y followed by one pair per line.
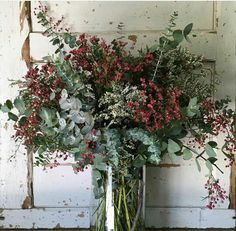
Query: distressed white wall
x,y
13,171
64,199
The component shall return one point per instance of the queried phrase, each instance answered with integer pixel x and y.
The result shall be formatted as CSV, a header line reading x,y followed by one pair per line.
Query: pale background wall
x,y
62,199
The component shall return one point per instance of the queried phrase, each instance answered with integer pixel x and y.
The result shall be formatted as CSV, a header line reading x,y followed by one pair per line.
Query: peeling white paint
x,y
13,161
45,218
85,16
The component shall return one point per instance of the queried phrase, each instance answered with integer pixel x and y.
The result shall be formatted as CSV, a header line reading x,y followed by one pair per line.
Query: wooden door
x,y
57,198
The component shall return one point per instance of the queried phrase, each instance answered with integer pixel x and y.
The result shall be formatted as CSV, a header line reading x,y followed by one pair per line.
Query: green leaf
x,y
172,156
212,159
52,95
163,40
163,146
57,51
20,105
4,108
153,48
56,41
187,31
22,120
209,165
48,116
173,146
187,154
213,144
38,140
210,151
98,192
193,102
193,107
178,36
86,129
139,162
198,165
67,38
99,163
9,104
12,116
154,158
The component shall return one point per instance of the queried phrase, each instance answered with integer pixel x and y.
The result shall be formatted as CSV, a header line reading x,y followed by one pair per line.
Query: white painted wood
x,y
181,186
140,15
61,187
198,218
13,161
109,225
48,218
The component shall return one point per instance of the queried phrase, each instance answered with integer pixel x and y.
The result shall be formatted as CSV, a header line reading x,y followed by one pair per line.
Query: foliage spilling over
x,y
104,106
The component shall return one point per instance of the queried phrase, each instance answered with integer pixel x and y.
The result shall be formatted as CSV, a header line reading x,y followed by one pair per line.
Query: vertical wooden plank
x,y
13,159
225,67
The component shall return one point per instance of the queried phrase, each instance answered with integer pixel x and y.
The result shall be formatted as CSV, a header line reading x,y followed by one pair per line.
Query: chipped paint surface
x,y
13,160
68,189
50,218
87,16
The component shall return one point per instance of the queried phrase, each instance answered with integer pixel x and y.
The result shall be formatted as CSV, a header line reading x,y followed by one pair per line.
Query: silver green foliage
x,y
153,148
113,143
74,123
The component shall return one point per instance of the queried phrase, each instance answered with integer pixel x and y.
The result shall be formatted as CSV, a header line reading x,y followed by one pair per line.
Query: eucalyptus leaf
x,y
210,151
198,164
20,105
48,116
153,48
187,154
173,146
213,144
62,123
9,104
12,116
52,95
178,36
212,159
4,108
209,165
187,31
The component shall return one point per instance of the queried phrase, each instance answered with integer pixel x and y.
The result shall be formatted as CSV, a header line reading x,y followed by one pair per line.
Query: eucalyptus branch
x,y
201,155
158,62
169,30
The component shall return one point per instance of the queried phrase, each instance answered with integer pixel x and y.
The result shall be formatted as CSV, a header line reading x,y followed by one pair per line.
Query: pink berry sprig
x,y
216,194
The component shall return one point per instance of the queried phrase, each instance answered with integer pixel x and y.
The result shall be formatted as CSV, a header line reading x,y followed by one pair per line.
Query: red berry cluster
x,y
106,63
157,107
215,193
88,158
199,141
40,83
42,12
230,145
28,129
90,144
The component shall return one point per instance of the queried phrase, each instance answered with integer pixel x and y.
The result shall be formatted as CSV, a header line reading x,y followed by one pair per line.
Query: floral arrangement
x,y
106,107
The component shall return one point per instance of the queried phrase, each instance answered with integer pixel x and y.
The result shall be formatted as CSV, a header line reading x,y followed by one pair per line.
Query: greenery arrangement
x,y
106,107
